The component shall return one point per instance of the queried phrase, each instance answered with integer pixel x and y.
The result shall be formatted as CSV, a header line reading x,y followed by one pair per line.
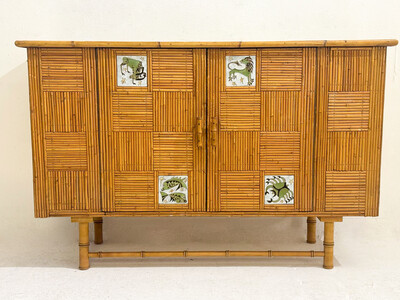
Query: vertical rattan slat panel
x,y
37,131
92,136
105,127
200,105
215,67
378,71
321,124
307,126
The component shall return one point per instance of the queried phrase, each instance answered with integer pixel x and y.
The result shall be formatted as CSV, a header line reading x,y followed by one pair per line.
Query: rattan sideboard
x,y
206,129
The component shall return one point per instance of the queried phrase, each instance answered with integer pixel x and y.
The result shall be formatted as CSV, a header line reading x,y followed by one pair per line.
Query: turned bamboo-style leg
x,y
84,246
83,241
98,230
328,244
328,239
311,229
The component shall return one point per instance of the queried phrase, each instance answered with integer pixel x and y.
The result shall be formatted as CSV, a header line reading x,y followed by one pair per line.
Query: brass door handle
x,y
199,132
214,131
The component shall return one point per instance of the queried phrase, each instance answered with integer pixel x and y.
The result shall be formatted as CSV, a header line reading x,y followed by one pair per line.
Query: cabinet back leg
x,y
98,230
311,230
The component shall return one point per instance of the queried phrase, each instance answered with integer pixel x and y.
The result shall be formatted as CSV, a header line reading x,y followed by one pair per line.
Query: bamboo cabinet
x,y
206,129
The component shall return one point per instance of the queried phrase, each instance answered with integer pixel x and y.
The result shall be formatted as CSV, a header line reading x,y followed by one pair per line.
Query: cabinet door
x,y
152,129
260,129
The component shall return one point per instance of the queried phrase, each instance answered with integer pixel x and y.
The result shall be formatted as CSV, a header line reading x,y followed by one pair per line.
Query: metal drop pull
x,y
199,132
214,131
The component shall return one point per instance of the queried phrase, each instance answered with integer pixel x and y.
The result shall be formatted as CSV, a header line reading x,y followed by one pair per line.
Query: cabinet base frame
x,y
85,254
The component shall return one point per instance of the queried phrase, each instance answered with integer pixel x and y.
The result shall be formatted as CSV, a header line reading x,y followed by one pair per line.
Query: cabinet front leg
x,y
329,239
83,241
311,229
98,230
328,244
84,246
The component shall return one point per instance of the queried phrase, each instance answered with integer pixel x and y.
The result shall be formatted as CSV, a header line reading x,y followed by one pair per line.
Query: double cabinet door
x,y
206,129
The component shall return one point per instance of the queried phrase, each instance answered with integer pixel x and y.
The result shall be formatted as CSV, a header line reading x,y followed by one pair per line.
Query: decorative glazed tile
x,y
279,189
241,70
132,70
172,189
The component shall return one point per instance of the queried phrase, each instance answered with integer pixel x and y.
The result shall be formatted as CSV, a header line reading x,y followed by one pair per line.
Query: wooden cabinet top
x,y
233,44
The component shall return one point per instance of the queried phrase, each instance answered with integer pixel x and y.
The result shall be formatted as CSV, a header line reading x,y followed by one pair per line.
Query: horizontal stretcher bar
x,y
226,253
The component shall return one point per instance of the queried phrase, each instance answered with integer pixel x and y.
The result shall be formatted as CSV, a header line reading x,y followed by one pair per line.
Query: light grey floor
x,y
47,269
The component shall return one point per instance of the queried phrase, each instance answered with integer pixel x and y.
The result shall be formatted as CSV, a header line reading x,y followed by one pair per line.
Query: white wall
x,y
201,20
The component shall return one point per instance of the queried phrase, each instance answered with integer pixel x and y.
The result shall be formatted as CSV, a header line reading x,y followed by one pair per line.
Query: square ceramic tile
x,y
279,189
132,70
241,70
172,189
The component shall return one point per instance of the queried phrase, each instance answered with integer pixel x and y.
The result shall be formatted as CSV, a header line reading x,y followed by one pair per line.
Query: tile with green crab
x,y
132,70
240,70
172,189
279,189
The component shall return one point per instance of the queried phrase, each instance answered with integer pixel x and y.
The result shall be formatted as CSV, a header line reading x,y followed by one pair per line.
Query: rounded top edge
x,y
233,44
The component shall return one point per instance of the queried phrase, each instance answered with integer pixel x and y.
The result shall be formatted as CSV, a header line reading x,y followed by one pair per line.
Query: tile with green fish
x,y
173,189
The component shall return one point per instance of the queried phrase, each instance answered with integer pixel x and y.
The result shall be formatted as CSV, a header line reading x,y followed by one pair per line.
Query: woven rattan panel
x,y
348,129
64,130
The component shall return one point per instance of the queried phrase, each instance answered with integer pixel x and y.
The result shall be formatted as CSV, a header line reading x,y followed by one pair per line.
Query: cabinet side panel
x,y
349,130
64,130
39,182
378,69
